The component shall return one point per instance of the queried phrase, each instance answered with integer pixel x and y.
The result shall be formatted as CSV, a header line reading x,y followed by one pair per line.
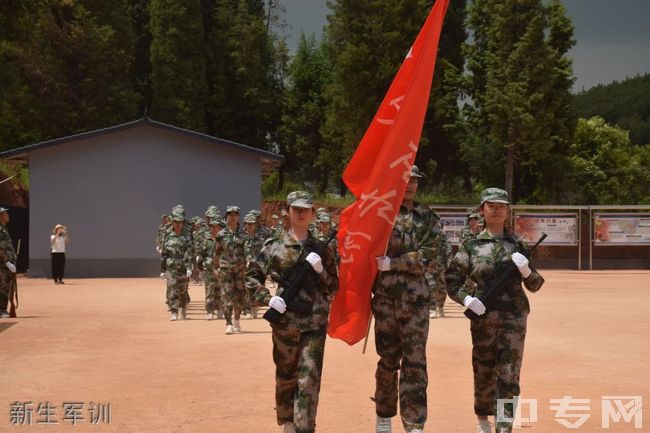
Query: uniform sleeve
x,y
458,274
188,257
256,272
216,252
329,276
534,281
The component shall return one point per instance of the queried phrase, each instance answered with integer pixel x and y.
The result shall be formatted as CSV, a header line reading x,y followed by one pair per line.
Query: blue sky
x,y
613,36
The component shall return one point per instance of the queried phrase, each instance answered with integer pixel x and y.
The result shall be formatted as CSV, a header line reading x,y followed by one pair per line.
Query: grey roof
x,y
21,151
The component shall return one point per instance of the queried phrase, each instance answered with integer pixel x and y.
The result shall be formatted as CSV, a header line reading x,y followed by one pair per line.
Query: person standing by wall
x,y
229,257
58,242
176,265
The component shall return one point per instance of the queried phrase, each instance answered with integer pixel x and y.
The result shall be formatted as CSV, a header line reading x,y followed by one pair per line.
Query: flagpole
x,y
365,342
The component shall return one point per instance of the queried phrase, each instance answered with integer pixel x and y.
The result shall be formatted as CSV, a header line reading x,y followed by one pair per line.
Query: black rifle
x,y
295,281
504,273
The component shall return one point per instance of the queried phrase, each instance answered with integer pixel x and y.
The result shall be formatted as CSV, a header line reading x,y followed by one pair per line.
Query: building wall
x,y
110,191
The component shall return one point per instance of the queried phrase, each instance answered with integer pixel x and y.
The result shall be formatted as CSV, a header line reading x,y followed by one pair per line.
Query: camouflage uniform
x,y
200,232
176,260
466,232
497,336
435,273
161,232
275,231
322,236
299,338
212,291
401,309
7,254
261,231
230,260
188,232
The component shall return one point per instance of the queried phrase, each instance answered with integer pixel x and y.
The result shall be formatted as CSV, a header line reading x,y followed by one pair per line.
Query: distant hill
x,y
625,103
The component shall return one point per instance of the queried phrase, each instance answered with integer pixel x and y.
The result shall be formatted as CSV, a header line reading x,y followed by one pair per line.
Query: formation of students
x,y
416,275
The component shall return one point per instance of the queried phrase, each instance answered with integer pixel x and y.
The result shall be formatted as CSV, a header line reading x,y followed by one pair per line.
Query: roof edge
x,y
25,150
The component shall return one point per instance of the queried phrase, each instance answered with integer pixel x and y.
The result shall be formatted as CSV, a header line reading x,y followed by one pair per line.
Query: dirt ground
x,y
111,341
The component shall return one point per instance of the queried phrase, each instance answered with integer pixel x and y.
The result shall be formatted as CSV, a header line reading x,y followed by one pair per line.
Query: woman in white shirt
x,y
58,241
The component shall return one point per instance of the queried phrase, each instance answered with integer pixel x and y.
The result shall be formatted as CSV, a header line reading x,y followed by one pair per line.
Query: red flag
x,y
377,175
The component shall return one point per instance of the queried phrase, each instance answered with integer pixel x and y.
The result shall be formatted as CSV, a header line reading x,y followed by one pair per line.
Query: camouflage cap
x,y
415,172
250,218
321,210
214,221
178,215
212,211
275,217
257,213
300,199
284,213
232,208
473,213
494,195
324,218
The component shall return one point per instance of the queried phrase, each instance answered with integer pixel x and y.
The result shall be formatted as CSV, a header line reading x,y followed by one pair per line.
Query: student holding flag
x,y
401,309
384,230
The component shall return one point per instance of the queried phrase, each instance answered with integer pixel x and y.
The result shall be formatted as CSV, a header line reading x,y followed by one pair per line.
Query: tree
x,y
439,153
244,77
518,117
70,70
303,116
367,41
177,63
607,167
625,103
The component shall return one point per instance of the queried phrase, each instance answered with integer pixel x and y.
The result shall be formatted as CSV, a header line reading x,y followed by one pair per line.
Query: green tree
x,y
606,167
304,114
518,121
367,41
625,103
244,63
178,63
70,70
439,153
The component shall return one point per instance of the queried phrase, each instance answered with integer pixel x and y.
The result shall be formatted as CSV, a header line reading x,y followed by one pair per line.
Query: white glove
x,y
474,304
198,259
162,275
522,264
278,304
11,267
383,263
315,262
158,250
189,273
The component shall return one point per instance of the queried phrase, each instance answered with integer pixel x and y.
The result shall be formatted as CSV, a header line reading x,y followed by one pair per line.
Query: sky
x,y
612,36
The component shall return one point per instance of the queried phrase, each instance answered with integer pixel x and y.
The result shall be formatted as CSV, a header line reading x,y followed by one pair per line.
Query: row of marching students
x,y
400,305
220,249
216,248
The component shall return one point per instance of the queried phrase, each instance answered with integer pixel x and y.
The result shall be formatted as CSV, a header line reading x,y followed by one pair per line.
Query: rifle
x,y
13,290
294,282
504,273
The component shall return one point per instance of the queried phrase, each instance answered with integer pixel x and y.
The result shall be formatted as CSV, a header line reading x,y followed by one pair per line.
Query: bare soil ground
x,y
111,341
